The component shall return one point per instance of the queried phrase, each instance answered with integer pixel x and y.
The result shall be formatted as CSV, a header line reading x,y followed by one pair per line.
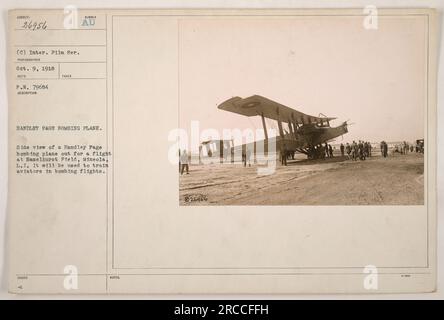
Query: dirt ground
x,y
397,180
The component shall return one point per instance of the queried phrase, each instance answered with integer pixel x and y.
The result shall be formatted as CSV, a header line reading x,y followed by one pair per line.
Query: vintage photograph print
x,y
302,110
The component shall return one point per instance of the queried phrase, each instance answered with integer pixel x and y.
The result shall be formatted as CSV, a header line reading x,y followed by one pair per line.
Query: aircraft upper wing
x,y
257,105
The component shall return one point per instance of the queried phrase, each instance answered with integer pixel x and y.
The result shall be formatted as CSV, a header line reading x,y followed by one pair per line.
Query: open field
x,y
396,180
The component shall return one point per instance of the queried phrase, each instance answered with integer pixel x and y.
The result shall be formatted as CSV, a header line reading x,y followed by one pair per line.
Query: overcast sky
x,y
329,65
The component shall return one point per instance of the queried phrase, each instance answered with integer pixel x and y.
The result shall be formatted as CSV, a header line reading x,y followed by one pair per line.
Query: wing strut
x,y
265,127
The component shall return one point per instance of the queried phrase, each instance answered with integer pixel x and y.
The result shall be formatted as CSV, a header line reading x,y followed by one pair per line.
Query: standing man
x,y
284,155
248,156
184,161
361,150
342,149
348,150
366,153
355,150
385,149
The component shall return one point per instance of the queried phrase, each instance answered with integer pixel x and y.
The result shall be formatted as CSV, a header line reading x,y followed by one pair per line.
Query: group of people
x,y
403,148
357,150
354,151
419,148
320,151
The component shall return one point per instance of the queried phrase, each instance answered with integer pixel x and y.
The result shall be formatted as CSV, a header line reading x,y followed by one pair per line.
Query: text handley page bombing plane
x,y
304,132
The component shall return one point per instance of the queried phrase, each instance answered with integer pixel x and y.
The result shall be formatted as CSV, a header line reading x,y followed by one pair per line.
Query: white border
x,y
10,4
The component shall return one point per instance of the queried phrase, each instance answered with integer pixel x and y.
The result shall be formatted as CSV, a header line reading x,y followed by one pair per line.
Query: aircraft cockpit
x,y
323,124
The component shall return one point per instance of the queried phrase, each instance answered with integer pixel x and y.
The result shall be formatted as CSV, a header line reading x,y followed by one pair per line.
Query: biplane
x,y
297,131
